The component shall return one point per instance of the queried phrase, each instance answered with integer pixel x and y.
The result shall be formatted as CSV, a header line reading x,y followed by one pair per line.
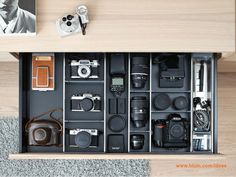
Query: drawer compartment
x,y
137,103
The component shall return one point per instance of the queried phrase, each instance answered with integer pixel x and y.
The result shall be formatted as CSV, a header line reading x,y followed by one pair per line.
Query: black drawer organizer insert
x,y
126,102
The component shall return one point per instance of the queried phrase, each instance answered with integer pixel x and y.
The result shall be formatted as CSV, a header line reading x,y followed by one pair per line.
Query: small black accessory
x,y
139,71
121,103
162,101
172,70
112,106
116,143
84,138
171,133
181,103
139,111
117,73
137,142
86,102
116,123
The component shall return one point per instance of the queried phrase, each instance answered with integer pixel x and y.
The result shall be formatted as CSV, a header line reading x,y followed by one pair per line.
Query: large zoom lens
x,y
139,71
139,111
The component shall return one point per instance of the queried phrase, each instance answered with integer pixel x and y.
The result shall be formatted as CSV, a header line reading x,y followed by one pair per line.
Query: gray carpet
x,y
9,144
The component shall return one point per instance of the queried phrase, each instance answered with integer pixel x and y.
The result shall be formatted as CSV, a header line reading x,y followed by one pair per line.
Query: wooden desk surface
x,y
134,26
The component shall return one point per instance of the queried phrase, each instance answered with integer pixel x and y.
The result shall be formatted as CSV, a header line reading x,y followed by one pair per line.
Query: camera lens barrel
x,y
137,142
139,111
139,71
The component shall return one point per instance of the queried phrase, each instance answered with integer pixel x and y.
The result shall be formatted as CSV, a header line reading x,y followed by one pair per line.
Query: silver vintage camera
x,y
86,103
84,138
84,69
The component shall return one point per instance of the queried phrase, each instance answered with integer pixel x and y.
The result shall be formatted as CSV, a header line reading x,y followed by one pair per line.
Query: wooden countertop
x,y
134,26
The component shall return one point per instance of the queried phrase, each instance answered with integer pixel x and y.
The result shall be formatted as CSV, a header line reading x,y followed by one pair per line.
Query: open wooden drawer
x,y
140,105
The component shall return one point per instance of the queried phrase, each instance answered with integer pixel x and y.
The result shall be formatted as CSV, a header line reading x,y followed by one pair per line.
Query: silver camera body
x,y
86,102
84,138
84,69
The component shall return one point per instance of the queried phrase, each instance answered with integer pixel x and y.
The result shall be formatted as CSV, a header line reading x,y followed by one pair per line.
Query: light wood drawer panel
x,y
135,25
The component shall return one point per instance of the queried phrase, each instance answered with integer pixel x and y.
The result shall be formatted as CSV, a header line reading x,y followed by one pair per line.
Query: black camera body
x,y
171,133
84,138
84,69
86,103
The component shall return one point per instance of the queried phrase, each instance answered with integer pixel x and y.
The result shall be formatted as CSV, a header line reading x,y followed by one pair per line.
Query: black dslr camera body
x,y
84,69
171,133
86,103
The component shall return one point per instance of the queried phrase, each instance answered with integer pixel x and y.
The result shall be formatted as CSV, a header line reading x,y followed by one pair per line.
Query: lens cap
x,y
180,103
83,139
116,123
86,104
162,101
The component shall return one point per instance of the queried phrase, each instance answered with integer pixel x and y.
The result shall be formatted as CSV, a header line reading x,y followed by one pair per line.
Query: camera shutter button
x,y
86,104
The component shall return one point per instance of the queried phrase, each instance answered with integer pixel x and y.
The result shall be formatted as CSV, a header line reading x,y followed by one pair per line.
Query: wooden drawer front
x,y
135,26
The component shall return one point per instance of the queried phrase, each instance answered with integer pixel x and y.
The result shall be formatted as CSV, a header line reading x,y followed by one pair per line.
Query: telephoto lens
x,y
139,111
139,71
137,142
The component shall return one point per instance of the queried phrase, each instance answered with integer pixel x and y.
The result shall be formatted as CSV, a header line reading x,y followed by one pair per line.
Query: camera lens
x,y
68,23
84,71
83,139
139,111
181,103
139,71
137,142
41,135
64,19
162,101
86,104
69,17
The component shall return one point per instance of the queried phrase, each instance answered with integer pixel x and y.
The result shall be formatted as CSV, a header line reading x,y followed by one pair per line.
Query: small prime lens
x,y
139,111
137,142
139,71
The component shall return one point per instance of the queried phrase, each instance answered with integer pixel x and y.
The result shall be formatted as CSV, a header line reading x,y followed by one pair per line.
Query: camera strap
x,y
51,117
